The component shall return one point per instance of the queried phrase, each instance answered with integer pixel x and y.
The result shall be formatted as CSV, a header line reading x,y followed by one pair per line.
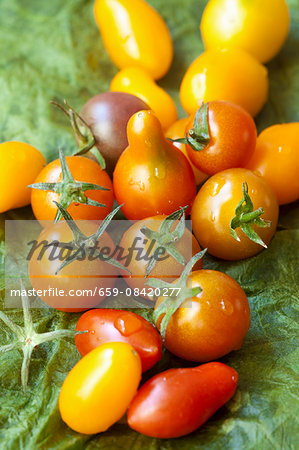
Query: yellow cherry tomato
x,y
20,165
135,34
231,75
178,130
259,27
276,158
98,390
138,82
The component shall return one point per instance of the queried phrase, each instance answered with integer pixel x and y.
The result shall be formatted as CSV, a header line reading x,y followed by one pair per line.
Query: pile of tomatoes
x,y
211,165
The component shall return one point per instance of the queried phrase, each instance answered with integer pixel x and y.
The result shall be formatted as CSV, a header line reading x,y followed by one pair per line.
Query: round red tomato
x,y
114,325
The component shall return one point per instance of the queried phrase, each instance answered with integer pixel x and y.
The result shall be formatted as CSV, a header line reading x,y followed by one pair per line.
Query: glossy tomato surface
x,y
232,138
151,176
114,325
214,208
82,169
20,165
276,159
81,280
100,387
178,401
211,324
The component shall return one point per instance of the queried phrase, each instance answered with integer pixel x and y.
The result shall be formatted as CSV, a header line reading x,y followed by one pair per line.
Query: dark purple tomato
x,y
107,115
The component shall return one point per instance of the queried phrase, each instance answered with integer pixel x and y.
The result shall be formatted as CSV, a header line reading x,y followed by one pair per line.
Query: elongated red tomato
x,y
114,325
176,402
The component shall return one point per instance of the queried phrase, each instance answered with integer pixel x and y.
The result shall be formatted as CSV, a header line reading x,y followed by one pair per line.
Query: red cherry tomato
x,y
114,325
176,402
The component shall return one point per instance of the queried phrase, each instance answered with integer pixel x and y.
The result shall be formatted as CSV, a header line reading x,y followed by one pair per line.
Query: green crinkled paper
x,y
52,50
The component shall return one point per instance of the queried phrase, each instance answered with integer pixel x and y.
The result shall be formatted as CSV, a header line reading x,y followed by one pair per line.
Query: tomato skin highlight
x,y
233,138
243,80
138,82
114,325
276,158
214,208
259,27
82,169
213,323
149,171
20,165
135,34
178,401
99,388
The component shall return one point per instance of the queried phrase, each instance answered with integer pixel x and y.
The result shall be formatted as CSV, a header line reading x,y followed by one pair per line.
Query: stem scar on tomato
x,y
171,303
70,190
246,218
199,136
82,243
166,239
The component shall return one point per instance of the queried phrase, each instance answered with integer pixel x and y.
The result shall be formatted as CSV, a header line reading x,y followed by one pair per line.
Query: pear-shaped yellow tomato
x,y
20,165
276,158
136,81
178,130
151,176
259,27
134,34
231,75
98,390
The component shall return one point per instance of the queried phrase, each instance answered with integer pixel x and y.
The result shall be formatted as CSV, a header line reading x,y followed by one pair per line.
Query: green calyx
x,y
82,244
179,293
70,190
27,338
165,239
199,135
246,218
83,133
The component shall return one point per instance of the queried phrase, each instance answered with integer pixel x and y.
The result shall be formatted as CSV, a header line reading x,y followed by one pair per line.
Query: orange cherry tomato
x,y
214,208
98,390
82,169
136,81
276,158
134,34
20,165
151,176
213,323
232,137
167,268
231,74
176,131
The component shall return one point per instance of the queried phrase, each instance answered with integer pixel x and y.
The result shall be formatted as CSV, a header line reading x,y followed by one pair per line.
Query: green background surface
x,y
52,50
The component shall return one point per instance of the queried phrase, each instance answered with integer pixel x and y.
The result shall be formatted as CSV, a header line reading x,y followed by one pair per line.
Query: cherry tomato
x,y
211,324
149,172
214,208
20,165
178,401
80,280
176,131
276,158
137,81
232,137
82,169
107,115
100,387
231,75
167,268
114,325
259,27
134,34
